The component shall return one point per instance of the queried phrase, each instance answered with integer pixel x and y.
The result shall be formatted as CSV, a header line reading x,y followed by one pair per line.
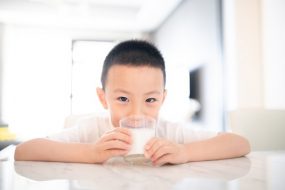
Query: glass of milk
x,y
142,129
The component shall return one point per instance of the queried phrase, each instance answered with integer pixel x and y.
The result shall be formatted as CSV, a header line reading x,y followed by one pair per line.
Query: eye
x,y
150,100
123,99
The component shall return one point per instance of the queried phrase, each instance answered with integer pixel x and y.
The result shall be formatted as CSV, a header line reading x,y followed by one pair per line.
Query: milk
x,y
140,137
142,129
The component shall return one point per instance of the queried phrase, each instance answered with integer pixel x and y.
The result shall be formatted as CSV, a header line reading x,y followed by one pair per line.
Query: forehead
x,y
134,78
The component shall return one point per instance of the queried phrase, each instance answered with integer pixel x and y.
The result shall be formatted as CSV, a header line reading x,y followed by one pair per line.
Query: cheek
x,y
153,111
115,119
116,114
154,115
115,122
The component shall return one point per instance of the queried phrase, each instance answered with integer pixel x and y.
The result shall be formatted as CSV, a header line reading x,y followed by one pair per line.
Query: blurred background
x,y
222,56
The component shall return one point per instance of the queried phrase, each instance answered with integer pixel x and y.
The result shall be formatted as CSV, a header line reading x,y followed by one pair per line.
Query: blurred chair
x,y
265,129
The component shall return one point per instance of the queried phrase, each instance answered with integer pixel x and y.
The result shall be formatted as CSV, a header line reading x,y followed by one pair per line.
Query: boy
x,y
133,80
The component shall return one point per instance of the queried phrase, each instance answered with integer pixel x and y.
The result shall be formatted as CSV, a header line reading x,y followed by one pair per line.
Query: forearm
x,y
222,146
48,150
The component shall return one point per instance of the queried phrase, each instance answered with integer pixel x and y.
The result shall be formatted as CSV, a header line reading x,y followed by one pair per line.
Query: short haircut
x,y
133,53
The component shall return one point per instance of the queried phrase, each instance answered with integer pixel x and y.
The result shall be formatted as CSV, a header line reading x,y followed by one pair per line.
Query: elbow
x,y
244,146
23,150
30,150
247,146
17,154
240,145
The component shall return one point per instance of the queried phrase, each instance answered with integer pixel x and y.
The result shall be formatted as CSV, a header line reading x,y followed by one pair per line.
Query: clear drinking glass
x,y
142,129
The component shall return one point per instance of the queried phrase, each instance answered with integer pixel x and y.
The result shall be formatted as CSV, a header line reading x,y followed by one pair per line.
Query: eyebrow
x,y
121,91
126,92
153,92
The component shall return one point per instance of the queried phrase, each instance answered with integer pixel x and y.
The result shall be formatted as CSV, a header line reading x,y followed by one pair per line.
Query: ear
x,y
101,96
164,95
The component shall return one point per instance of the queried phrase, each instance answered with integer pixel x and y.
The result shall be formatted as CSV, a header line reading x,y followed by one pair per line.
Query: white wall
x,y
254,36
243,63
190,38
248,54
273,28
1,71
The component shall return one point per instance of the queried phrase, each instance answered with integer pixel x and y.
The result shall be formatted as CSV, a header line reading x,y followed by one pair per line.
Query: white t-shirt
x,y
89,130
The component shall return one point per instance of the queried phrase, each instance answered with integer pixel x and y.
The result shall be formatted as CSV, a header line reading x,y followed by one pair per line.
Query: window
x,y
36,80
88,58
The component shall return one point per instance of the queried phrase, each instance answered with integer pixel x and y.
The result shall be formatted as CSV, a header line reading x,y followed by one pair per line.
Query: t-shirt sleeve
x,y
67,135
85,131
179,133
191,135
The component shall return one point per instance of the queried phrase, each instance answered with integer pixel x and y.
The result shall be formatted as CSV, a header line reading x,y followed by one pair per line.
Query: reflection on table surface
x,y
259,170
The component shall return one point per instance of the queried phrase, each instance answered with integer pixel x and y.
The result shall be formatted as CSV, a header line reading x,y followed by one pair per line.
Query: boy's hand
x,y
113,143
162,151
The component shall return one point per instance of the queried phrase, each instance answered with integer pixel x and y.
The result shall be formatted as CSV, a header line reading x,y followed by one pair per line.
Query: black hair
x,y
133,53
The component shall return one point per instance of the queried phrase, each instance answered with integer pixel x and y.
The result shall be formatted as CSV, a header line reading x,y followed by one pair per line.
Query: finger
x,y
163,160
117,136
150,143
148,147
155,147
123,130
161,152
117,152
116,144
123,137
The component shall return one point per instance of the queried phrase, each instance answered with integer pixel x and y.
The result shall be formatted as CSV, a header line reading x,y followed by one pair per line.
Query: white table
x,y
258,170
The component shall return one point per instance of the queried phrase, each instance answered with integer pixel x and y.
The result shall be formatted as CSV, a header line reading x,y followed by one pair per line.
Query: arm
x,y
48,150
222,146
113,143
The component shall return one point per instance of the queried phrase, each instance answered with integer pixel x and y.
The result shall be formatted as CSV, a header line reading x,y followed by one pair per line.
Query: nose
x,y
136,109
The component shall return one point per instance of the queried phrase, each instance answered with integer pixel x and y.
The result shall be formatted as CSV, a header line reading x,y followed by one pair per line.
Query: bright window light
x,y
36,80
88,58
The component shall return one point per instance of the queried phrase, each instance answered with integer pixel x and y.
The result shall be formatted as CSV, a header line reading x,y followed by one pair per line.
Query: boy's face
x,y
132,90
